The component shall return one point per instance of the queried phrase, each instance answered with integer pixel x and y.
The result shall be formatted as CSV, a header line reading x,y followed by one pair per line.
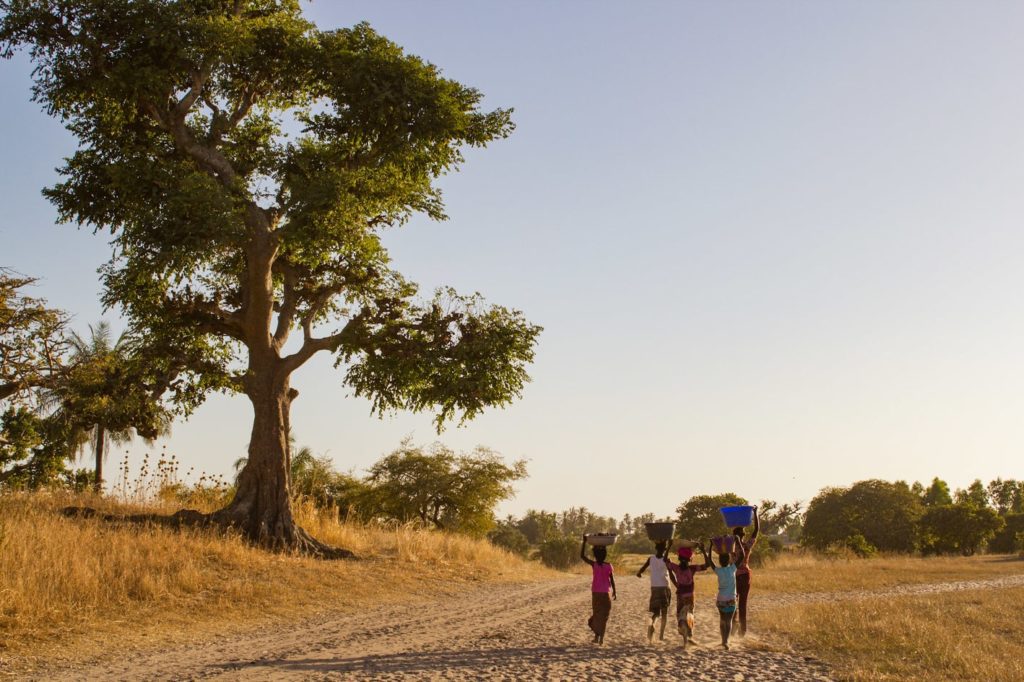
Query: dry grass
x,y
69,587
809,573
977,635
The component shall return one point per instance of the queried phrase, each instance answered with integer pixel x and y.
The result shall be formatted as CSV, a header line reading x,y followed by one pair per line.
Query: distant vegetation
x,y
866,518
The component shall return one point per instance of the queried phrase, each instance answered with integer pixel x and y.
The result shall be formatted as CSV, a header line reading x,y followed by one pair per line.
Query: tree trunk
x,y
101,434
262,508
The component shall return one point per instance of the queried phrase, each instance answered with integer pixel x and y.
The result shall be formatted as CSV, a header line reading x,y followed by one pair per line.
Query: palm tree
x,y
100,400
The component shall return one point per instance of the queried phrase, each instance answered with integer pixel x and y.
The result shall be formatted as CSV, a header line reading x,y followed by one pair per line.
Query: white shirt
x,y
659,572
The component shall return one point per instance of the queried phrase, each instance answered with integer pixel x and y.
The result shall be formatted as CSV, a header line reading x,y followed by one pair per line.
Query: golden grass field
x,y
971,635
71,587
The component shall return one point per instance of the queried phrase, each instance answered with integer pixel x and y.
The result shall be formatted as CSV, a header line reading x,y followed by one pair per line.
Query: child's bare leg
x,y
664,619
725,625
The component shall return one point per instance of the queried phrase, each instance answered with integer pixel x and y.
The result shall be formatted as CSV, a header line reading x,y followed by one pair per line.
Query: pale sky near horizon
x,y
774,245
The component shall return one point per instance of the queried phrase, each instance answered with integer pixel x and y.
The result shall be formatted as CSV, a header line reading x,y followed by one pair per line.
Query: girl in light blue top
x,y
726,599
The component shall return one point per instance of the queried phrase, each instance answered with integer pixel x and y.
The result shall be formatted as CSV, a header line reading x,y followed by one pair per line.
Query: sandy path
x,y
520,632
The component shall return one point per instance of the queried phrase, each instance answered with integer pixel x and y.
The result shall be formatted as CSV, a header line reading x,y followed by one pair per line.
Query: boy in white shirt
x,y
661,593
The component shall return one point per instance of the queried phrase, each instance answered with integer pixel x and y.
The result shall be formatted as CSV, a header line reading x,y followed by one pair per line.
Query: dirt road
x,y
521,632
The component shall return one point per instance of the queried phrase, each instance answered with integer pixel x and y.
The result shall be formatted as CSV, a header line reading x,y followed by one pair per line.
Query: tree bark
x,y
262,507
97,485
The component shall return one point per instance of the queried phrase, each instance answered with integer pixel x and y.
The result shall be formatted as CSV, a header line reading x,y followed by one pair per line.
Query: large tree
x,y
246,163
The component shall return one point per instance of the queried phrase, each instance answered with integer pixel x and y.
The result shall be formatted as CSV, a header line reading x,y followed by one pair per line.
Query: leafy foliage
x,y
884,514
223,217
961,528
560,552
937,494
246,163
1007,496
505,534
1005,540
102,397
439,487
700,518
32,340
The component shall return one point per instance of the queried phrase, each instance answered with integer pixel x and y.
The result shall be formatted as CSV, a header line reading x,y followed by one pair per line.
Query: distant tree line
x,y
554,537
873,515
865,518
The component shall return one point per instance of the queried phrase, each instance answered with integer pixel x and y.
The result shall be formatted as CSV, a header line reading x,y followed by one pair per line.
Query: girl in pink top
x,y
602,582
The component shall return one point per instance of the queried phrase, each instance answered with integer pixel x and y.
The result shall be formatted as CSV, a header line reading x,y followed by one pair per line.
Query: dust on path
x,y
520,632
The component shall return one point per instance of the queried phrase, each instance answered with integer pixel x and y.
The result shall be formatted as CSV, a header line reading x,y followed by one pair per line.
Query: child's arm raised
x,y
707,559
583,551
757,527
644,567
742,552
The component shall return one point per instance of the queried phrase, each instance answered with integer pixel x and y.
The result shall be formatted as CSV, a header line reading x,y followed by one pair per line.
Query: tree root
x,y
293,540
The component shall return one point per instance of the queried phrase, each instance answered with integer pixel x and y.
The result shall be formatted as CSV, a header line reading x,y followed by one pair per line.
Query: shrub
x,y
559,553
510,538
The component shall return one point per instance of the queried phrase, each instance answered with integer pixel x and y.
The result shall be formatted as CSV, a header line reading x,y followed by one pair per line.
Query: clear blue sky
x,y
774,246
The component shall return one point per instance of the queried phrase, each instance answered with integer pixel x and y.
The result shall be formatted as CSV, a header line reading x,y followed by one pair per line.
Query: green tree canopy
x,y
538,526
1007,496
937,494
884,514
102,397
32,341
439,487
32,349
975,494
962,528
246,163
700,518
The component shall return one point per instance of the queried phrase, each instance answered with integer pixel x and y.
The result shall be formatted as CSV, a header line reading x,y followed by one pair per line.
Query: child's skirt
x,y
684,612
601,603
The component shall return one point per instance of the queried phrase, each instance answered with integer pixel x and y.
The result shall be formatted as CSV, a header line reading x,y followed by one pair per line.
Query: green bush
x,y
510,538
1005,541
560,553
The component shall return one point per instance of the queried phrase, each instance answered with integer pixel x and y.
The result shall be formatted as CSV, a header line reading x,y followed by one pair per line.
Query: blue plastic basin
x,y
738,516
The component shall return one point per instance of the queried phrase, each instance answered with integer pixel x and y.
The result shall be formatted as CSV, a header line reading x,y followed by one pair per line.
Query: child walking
x,y
726,599
602,582
682,575
661,595
743,573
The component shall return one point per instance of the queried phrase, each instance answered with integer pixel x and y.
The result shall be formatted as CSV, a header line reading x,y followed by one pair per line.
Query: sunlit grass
x,y
70,586
973,635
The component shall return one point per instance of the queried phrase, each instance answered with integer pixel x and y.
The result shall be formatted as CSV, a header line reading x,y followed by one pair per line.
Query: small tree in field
x,y
700,518
246,163
440,488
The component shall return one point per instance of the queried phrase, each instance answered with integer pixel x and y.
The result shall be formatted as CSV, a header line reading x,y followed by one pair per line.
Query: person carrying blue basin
x,y
743,569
